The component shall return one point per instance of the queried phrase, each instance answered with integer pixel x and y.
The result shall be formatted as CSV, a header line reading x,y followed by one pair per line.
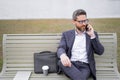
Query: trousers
x,y
77,71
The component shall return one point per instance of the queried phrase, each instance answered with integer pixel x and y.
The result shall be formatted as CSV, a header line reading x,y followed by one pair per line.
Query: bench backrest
x,y
18,50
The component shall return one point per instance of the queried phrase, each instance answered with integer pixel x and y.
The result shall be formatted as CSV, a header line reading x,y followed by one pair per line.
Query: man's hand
x,y
65,60
90,31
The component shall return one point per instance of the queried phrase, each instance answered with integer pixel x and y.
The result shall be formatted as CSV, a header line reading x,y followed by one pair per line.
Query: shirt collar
x,y
76,33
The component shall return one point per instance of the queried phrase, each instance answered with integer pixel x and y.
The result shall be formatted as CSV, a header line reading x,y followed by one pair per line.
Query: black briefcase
x,y
45,58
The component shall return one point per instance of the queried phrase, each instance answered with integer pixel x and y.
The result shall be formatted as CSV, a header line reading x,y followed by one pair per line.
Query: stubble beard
x,y
82,29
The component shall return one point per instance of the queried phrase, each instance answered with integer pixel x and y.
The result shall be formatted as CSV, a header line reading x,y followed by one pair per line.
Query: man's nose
x,y
84,23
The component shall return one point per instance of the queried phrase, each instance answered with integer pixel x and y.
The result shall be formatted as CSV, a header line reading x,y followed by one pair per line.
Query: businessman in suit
x,y
77,47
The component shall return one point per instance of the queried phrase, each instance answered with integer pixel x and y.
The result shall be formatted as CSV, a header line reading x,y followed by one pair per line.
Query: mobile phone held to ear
x,y
86,27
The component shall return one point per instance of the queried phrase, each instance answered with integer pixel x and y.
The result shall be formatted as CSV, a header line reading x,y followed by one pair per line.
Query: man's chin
x,y
81,30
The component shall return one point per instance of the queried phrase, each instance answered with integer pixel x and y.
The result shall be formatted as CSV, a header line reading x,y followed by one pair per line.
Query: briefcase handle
x,y
45,52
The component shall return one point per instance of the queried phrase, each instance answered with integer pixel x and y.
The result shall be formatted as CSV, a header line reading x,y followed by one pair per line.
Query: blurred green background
x,y
34,26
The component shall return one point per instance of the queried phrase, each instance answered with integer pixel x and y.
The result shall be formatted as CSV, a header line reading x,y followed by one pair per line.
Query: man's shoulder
x,y
96,33
69,31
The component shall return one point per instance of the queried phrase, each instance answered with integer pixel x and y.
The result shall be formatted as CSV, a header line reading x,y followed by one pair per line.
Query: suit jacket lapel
x,y
71,38
87,42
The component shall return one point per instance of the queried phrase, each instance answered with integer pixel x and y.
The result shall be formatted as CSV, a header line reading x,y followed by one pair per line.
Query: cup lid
x,y
45,67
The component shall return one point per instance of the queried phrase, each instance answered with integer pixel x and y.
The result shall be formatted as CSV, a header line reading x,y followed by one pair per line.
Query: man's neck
x,y
79,32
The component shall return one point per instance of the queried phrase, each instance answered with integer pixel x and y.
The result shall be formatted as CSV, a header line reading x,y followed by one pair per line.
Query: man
x,y
77,47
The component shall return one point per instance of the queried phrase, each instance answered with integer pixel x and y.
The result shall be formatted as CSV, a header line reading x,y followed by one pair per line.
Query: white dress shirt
x,y
79,52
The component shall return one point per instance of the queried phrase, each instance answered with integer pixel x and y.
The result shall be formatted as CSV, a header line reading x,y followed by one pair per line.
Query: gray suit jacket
x,y
92,46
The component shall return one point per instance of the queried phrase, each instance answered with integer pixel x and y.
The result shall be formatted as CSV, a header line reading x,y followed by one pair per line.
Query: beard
x,y
81,29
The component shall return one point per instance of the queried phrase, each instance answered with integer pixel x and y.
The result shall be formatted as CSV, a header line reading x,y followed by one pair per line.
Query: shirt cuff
x,y
63,54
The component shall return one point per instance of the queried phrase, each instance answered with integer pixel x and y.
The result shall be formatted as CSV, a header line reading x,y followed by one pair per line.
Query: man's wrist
x,y
93,36
63,54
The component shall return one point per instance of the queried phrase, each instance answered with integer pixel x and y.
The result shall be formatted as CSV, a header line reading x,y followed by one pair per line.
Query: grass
x,y
56,26
0,63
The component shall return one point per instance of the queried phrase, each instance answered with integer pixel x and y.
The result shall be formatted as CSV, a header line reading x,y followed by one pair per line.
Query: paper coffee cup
x,y
45,69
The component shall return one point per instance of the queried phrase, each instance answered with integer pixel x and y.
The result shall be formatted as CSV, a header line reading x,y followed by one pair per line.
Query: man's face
x,y
81,22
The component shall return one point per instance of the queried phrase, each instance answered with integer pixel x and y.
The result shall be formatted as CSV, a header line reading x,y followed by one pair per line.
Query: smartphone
x,y
86,28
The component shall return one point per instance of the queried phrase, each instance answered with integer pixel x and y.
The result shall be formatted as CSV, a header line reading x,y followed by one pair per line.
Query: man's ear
x,y
73,22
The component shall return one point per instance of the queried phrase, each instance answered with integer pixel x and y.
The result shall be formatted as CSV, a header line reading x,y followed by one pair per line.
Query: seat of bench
x,y
53,76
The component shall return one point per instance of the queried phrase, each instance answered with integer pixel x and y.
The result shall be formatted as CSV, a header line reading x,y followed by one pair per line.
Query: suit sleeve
x,y
62,46
97,46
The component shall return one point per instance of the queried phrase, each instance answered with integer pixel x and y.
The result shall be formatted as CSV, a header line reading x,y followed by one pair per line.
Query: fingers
x,y
65,60
90,32
90,28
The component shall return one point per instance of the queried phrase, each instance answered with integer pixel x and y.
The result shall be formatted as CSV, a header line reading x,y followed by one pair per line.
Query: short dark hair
x,y
77,13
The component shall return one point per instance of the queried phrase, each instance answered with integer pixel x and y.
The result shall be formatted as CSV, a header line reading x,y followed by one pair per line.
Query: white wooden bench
x,y
18,50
